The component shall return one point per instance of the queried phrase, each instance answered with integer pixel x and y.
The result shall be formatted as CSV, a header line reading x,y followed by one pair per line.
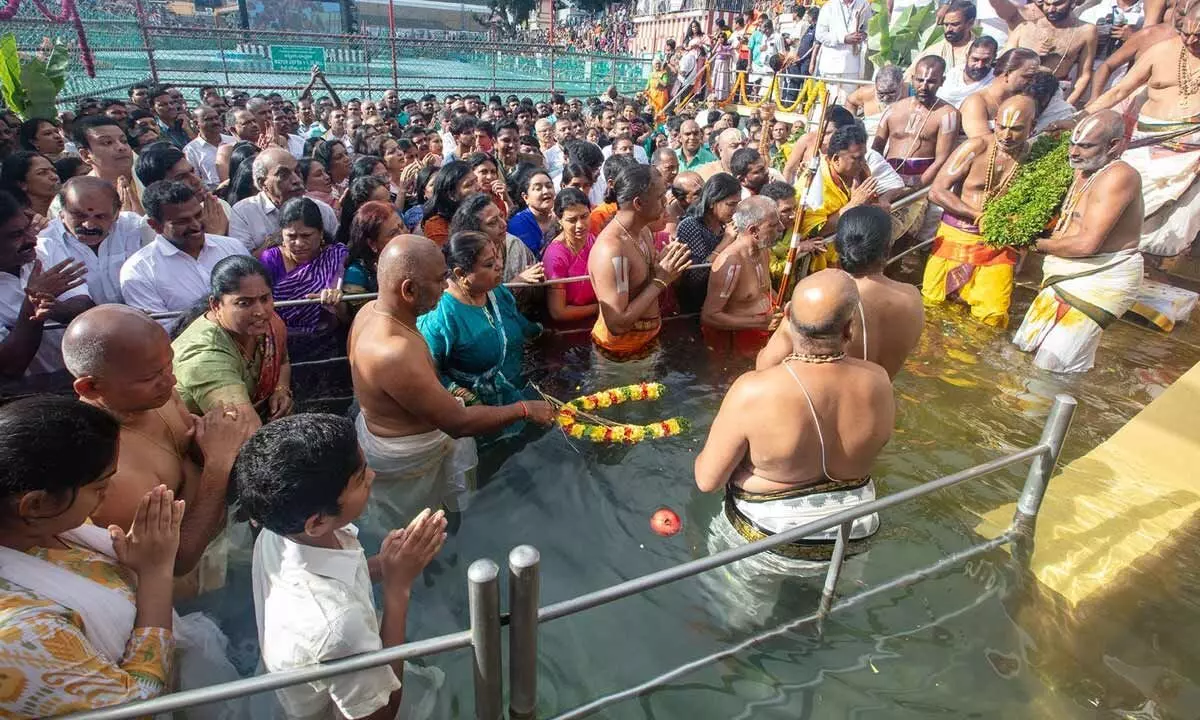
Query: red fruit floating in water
x,y
665,522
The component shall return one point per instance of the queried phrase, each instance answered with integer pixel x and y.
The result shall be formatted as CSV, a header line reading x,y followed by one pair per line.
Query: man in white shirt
x,y
552,152
303,480
974,75
841,30
91,229
166,162
32,292
257,217
172,273
620,129
202,152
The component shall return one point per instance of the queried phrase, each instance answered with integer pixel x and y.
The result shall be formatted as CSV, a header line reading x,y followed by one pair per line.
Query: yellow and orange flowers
x,y
571,416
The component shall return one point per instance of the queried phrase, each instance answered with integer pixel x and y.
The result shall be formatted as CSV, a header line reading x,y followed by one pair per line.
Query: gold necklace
x,y
816,359
638,243
398,321
1189,83
173,449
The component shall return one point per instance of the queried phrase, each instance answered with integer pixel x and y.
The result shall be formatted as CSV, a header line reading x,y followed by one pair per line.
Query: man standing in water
x,y
918,133
1014,72
738,314
1170,72
121,361
625,273
980,169
796,441
1093,268
890,315
1064,43
409,423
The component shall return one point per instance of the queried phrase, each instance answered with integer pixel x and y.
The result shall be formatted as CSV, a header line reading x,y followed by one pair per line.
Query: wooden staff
x,y
810,172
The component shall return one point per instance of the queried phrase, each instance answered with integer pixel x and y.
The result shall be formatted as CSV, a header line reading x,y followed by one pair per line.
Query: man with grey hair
x,y
254,219
1093,269
121,362
552,150
870,102
728,142
738,316
242,127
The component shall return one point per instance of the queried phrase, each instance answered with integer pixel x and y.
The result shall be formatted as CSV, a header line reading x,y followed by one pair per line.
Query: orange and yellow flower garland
x,y
569,414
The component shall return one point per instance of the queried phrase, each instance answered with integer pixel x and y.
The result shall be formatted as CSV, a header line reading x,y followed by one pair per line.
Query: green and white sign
x,y
297,57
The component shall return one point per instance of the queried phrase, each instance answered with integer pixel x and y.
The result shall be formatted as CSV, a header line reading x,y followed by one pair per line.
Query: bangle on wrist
x,y
660,281
524,409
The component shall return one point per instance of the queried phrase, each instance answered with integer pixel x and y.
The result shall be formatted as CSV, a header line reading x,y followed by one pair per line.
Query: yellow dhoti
x,y
963,266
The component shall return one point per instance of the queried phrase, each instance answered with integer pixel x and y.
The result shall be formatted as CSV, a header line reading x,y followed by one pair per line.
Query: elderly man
x,y
667,163
1064,42
1170,73
1093,268
551,150
242,127
738,313
91,229
162,161
872,101
121,361
202,152
257,217
795,442
961,264
409,422
172,273
692,153
890,315
729,141
681,195
31,292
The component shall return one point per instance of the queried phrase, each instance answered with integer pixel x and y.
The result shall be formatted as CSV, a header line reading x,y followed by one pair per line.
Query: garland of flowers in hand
x,y
570,414
1022,214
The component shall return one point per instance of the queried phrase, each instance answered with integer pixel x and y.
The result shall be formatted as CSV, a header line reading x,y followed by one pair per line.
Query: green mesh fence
x,y
191,57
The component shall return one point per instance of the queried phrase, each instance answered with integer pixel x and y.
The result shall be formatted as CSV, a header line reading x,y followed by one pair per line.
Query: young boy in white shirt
x,y
304,480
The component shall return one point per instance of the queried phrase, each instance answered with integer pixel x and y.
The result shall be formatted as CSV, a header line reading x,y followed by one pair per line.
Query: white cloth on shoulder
x,y
1169,186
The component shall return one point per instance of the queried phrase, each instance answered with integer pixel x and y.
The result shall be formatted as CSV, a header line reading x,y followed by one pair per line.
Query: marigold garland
x,y
569,416
1022,214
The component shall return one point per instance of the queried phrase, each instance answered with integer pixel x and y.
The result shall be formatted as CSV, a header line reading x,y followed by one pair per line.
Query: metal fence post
x,y
149,47
392,39
1053,434
524,587
483,591
834,571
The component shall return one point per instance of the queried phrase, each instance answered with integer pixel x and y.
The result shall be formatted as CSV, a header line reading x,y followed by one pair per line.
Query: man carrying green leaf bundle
x,y
962,265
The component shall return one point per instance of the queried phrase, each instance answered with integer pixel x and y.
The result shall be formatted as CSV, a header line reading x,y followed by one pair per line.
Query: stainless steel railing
x,y
525,615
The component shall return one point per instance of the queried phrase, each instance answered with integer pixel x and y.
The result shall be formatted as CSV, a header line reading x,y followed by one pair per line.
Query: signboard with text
x,y
297,57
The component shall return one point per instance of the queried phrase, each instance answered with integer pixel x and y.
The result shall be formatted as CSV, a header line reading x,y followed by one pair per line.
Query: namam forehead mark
x,y
1084,129
1010,117
924,73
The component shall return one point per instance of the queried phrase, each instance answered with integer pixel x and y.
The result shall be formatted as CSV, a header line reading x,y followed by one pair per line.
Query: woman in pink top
x,y
567,256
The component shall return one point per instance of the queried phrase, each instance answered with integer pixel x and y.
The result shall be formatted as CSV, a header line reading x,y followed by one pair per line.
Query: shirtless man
x,y
738,314
409,421
961,264
1128,53
1170,73
918,133
891,311
1093,269
1064,43
1014,71
870,102
806,430
121,361
626,275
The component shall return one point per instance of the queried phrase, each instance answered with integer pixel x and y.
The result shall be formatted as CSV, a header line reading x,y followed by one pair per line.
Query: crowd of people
x,y
148,245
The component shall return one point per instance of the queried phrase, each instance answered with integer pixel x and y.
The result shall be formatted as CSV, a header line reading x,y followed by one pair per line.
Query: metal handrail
x,y
482,576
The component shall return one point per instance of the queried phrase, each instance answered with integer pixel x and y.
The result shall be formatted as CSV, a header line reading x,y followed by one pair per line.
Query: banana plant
x,y
899,42
30,85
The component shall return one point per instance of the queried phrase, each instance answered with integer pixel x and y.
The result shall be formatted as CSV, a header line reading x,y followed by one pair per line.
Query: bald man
x,y
729,141
890,317
738,314
962,266
796,441
255,218
121,361
1093,269
92,229
409,423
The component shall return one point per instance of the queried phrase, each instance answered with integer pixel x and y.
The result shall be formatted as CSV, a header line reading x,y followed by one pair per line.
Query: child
x,y
303,479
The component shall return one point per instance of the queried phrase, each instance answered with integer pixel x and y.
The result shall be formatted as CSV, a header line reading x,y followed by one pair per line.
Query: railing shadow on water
x,y
524,617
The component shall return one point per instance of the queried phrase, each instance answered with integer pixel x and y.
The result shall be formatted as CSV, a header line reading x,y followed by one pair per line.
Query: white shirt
x,y
296,146
313,605
103,280
203,158
255,218
162,278
958,86
639,153
48,358
1134,16
555,161
835,21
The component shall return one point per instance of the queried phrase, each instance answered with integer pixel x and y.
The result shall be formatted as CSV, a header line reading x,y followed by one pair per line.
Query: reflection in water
x,y
952,645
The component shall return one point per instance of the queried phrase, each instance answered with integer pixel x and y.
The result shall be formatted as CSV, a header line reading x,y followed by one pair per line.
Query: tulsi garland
x,y
1025,210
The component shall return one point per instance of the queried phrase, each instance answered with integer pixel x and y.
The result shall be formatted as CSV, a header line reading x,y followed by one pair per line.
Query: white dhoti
x,y
1169,186
415,472
1079,298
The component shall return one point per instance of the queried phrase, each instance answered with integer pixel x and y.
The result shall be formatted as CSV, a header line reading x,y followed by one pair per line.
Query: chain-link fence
x,y
127,49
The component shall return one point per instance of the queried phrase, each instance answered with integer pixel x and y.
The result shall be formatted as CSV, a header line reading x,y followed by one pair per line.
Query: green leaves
x,y
1021,215
30,85
900,42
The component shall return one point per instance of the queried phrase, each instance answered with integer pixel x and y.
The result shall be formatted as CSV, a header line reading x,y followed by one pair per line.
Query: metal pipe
x,y
392,39
141,18
835,569
1053,434
725,557
276,680
483,599
831,81
524,588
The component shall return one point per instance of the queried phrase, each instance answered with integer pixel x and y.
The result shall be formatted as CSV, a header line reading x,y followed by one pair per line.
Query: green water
x,y
946,647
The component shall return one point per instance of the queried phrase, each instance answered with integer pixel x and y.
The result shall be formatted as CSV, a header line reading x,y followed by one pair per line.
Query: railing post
x,y
392,40
524,587
141,18
483,593
1053,434
834,571
551,68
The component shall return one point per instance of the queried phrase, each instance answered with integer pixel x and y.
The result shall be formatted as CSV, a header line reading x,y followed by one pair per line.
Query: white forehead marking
x,y
1083,128
1011,115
